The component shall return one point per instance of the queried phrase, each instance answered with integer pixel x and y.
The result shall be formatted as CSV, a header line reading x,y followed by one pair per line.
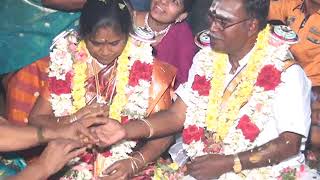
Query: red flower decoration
x,y
107,154
59,87
87,158
124,119
139,71
192,133
249,129
269,77
202,85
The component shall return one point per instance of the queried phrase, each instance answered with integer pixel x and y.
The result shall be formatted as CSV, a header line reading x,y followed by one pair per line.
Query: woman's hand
x,y
92,110
57,154
122,169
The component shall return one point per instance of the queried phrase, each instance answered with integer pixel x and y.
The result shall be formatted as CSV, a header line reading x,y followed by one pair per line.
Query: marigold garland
x,y
219,119
120,100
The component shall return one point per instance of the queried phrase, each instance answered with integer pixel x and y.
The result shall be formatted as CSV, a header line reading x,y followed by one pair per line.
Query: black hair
x,y
108,13
259,10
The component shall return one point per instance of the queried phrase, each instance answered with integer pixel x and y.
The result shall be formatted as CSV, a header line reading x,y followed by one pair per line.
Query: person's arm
x,y
21,137
53,158
268,154
66,5
42,114
162,124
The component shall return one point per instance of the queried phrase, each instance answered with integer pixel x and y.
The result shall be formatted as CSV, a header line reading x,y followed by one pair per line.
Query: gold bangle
x,y
142,157
237,167
151,131
40,136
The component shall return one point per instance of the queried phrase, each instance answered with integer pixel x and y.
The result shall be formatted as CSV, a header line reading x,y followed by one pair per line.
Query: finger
x,y
114,168
86,132
76,153
118,175
71,145
200,158
94,120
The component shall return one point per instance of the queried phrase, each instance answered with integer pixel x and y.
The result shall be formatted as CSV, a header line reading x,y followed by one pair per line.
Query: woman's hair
x,y
105,13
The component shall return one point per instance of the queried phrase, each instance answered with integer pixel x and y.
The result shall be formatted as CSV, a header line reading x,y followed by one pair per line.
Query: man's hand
x,y
57,154
210,166
109,133
119,170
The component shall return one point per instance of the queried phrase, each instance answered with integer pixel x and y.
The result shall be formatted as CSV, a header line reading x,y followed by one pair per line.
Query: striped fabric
x,y
23,89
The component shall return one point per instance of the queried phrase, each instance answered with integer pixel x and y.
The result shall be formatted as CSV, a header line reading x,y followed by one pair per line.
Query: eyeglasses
x,y
221,24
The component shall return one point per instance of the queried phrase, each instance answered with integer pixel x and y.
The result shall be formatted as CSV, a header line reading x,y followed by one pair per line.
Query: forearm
x,y
49,121
17,138
162,124
154,148
33,171
67,5
271,153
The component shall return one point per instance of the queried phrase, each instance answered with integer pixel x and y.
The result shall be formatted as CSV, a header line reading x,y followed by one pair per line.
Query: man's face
x,y
228,25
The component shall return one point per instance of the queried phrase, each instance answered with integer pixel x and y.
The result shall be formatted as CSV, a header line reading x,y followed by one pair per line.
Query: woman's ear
x,y
181,17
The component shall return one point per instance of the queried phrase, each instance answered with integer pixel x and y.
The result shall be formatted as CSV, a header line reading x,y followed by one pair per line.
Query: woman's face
x,y
106,44
166,11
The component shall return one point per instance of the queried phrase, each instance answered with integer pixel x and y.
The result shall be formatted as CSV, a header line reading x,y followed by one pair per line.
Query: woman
x,y
174,40
105,67
175,47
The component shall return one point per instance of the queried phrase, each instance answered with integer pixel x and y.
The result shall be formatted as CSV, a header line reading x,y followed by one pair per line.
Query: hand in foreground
x,y
109,133
92,110
119,170
79,130
210,166
57,154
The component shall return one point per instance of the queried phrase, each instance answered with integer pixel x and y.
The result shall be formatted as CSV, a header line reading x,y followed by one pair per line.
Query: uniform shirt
x,y
307,50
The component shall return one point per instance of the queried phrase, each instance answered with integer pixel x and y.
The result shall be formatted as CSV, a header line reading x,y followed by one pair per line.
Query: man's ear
x,y
253,26
181,17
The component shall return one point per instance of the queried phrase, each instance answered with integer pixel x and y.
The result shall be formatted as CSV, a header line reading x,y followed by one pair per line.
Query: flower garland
x,y
133,80
67,73
213,126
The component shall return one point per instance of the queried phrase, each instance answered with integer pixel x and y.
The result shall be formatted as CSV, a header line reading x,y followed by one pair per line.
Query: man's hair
x,y
259,10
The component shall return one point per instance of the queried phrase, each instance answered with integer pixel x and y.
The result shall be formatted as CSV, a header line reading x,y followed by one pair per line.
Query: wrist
x,y
40,169
49,134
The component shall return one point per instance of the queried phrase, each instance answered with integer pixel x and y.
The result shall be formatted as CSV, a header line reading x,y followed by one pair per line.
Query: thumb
x,y
87,122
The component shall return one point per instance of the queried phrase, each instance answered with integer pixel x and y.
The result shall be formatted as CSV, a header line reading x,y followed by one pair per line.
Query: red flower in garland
x,y
139,71
202,85
124,119
87,158
192,133
249,129
59,87
269,77
107,154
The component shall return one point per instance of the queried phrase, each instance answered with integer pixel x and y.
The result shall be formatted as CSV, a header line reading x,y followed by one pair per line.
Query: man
x,y
303,17
64,144
236,122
